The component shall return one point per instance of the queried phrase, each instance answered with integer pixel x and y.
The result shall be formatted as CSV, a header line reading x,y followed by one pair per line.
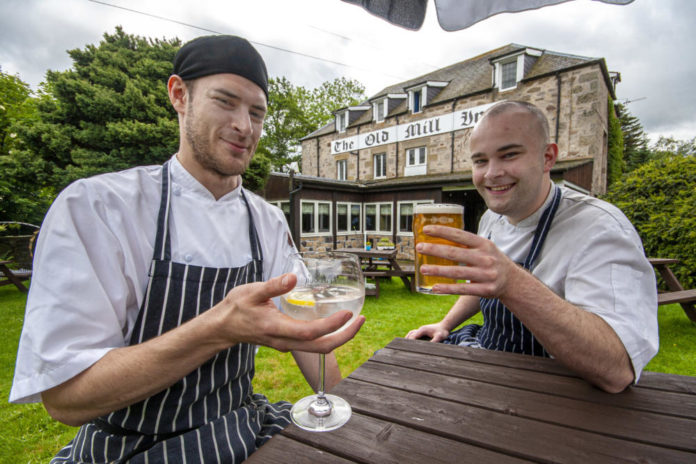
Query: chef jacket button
x,y
188,258
177,192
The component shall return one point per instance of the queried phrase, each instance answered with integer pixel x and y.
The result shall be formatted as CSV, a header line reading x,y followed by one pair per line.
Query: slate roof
x,y
472,76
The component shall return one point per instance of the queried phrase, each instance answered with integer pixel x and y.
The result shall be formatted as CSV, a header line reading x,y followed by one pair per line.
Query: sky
x,y
650,42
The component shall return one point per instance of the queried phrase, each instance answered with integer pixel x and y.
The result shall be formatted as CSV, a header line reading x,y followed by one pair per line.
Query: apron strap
x,y
543,229
255,243
162,250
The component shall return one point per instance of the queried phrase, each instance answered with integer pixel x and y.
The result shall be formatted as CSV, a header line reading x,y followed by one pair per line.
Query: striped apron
x,y
501,330
212,414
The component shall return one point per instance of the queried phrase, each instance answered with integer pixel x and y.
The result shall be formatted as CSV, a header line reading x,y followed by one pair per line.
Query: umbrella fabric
x,y
452,15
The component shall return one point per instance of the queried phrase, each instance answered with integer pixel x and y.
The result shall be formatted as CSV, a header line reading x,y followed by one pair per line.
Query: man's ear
x,y
550,156
178,93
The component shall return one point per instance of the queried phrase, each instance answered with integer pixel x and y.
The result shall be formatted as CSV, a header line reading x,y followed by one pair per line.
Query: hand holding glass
x,y
327,282
435,214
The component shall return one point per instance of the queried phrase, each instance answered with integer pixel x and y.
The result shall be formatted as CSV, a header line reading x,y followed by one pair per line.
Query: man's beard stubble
x,y
202,150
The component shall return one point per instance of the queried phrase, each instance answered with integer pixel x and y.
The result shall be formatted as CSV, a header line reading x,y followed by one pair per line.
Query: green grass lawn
x,y
31,436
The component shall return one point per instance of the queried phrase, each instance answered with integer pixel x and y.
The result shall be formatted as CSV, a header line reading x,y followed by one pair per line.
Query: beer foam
x,y
438,208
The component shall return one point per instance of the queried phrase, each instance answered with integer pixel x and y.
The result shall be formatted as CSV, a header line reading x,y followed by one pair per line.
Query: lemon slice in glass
x,y
301,298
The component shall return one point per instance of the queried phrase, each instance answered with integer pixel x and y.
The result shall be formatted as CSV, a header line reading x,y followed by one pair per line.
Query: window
x,y
284,207
342,121
508,75
406,215
415,156
378,217
341,169
415,162
417,100
380,110
316,217
348,217
380,165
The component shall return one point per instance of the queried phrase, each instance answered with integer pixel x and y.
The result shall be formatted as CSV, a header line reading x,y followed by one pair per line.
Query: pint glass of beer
x,y
435,214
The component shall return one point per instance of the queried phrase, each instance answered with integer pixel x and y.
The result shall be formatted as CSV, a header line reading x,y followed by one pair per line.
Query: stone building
x,y
363,173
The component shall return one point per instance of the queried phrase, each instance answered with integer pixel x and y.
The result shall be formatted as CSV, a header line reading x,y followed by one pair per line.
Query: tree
x,y
329,97
294,112
20,197
635,141
659,198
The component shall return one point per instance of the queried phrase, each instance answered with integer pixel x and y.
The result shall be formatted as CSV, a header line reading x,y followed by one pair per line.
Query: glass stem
x,y
321,407
322,374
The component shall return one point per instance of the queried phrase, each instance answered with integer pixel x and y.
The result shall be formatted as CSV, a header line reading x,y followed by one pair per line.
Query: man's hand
x,y
247,314
129,374
435,332
485,267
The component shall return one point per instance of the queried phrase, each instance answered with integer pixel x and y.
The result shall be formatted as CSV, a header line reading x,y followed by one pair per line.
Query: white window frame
x,y
315,218
342,169
412,99
384,165
342,121
349,218
417,168
518,58
398,207
378,213
379,109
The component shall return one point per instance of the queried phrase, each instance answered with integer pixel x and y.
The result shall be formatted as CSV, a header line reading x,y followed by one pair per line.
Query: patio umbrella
x,y
452,15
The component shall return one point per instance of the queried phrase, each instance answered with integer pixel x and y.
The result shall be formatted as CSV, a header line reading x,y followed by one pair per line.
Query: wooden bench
x,y
13,277
375,275
676,292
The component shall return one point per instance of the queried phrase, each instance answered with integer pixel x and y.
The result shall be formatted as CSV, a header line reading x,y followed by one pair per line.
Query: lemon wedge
x,y
301,298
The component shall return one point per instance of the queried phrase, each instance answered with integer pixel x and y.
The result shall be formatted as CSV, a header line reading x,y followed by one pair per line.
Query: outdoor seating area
x,y
379,264
14,277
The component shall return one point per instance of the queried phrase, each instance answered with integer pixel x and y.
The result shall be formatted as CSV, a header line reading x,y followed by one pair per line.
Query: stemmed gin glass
x,y
327,282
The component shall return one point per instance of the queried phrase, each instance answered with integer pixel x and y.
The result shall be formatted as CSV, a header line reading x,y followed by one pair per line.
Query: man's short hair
x,y
505,106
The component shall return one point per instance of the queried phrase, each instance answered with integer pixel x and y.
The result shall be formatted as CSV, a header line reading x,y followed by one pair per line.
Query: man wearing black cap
x,y
153,286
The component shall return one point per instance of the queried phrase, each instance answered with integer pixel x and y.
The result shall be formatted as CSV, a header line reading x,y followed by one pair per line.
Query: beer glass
x,y
436,214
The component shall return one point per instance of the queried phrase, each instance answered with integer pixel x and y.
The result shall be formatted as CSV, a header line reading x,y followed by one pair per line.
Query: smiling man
x,y
554,272
153,286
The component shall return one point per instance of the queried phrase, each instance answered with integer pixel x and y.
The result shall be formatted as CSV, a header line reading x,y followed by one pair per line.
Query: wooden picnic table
x,y
676,292
11,277
421,402
382,263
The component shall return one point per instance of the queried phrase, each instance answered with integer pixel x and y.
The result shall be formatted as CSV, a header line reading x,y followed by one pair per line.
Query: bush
x,y
660,199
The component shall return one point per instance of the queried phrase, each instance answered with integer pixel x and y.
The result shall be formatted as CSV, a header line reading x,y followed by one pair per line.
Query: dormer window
x,y
508,75
510,69
379,108
417,101
341,121
346,116
419,95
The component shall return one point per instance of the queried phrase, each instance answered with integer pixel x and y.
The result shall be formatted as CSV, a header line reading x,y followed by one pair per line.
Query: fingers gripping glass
x,y
327,282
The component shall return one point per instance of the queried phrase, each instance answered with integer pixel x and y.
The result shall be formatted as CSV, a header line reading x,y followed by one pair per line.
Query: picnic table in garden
x,y
676,293
415,401
377,264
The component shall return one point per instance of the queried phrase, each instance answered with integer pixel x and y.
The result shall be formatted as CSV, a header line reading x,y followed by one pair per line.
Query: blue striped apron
x,y
212,414
501,330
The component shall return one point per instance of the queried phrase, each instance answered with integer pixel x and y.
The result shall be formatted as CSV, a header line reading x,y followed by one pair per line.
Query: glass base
x,y
304,416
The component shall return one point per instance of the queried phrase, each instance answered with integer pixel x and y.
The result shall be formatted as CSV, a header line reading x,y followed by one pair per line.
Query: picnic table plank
x,y
610,420
384,442
501,432
679,403
283,449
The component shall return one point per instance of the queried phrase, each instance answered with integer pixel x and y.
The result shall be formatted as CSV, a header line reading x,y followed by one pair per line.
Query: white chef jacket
x,y
94,252
594,259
